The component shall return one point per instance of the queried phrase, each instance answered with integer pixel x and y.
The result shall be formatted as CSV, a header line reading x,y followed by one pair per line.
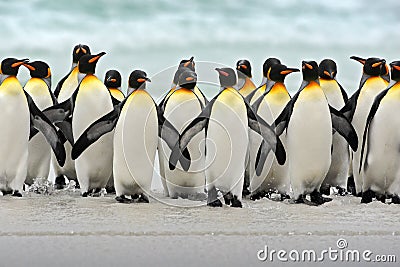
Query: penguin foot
x,y
215,203
123,199
245,192
367,196
143,199
16,193
381,198
110,189
299,200
325,190
341,191
395,199
6,192
197,196
257,196
85,194
59,183
351,186
135,196
236,202
228,197
96,192
284,196
316,197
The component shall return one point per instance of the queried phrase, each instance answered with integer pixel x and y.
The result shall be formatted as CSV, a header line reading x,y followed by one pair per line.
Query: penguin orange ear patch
x,y
141,80
327,73
29,67
243,66
189,79
77,50
48,73
396,67
308,66
377,64
113,80
284,72
223,73
84,50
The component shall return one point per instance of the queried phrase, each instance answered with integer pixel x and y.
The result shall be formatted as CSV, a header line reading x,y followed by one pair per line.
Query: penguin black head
x,y
227,77
243,67
178,73
395,70
327,69
188,63
79,51
310,70
138,79
87,63
10,66
278,72
187,79
372,66
112,79
38,69
268,63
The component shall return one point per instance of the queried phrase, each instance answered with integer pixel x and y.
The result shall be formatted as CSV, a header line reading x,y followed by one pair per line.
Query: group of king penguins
x,y
248,140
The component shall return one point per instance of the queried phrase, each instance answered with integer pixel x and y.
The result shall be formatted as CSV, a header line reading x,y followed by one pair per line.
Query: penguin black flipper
x,y
262,154
272,141
350,106
43,124
96,130
197,125
63,110
371,114
60,84
344,94
342,125
168,133
66,129
282,121
204,97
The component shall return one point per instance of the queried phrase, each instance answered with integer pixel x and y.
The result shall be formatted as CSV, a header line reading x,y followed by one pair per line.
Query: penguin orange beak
x,y
359,59
142,80
242,67
189,62
288,71
28,66
223,73
308,66
19,63
377,64
96,57
396,67
113,80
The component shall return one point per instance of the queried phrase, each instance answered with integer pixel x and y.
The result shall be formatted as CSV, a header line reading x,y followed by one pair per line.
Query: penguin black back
x,y
227,77
243,66
327,69
188,63
112,79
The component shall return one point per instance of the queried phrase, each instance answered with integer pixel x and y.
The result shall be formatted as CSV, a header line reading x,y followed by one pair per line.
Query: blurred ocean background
x,y
154,35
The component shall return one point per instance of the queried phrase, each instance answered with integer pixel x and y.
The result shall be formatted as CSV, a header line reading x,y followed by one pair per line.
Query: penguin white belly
x,y
135,145
39,151
309,140
227,143
68,88
372,87
183,107
383,148
14,135
94,166
339,168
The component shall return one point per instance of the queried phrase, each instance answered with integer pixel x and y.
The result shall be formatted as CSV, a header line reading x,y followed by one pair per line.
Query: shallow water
x,y
64,228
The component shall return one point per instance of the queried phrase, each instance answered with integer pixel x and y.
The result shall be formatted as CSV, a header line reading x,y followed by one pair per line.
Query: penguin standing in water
x,y
244,84
64,90
274,178
226,119
309,120
357,107
337,97
181,107
18,115
39,151
380,155
112,81
137,124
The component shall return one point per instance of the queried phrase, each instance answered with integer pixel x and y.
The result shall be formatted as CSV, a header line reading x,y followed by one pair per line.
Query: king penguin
x,y
64,90
380,147
226,119
308,120
274,177
244,84
181,107
359,104
138,123
39,151
112,81
337,97
18,116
